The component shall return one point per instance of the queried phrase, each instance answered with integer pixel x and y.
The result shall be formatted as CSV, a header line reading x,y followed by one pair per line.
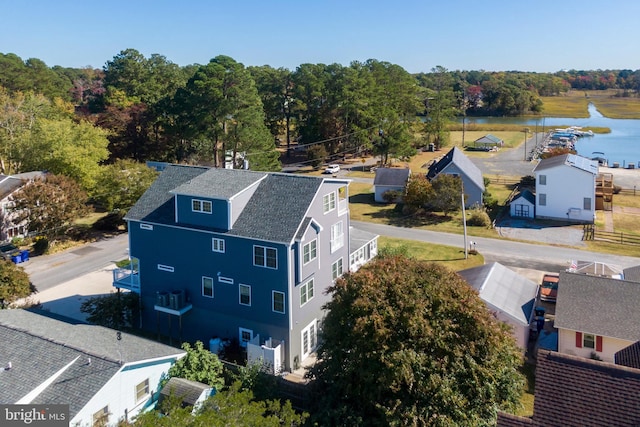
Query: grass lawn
x,y
526,400
450,256
575,103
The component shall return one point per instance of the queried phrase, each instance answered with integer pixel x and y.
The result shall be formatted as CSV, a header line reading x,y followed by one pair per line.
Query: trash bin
x,y
25,255
16,259
539,311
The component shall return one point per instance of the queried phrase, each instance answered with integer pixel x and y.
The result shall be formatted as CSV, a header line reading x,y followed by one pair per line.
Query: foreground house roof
x,y
629,356
598,305
81,358
274,212
571,160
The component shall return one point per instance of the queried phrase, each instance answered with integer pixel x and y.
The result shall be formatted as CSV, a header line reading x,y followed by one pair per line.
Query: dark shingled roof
x,y
274,212
527,195
187,390
598,305
396,177
629,356
38,346
466,166
573,391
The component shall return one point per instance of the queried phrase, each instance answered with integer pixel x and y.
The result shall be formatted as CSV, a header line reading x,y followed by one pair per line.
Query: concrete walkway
x,y
66,298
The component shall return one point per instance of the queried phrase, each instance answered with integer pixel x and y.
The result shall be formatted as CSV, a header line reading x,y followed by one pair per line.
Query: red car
x,y
549,287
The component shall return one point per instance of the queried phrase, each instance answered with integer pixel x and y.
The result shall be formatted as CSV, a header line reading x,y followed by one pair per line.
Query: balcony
x,y
173,302
126,278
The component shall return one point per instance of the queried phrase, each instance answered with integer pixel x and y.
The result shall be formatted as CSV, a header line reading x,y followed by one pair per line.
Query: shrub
x,y
478,218
392,196
40,245
109,222
616,189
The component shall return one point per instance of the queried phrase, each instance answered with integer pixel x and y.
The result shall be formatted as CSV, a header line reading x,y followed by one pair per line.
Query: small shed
x,y
488,142
510,296
523,205
190,393
390,179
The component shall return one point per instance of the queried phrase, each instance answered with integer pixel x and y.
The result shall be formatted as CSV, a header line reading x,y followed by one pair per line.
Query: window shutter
x,y
579,339
598,343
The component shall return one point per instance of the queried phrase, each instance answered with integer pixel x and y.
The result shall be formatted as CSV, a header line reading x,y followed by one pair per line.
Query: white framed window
x,y
542,199
329,202
587,204
543,179
217,245
588,341
277,304
227,280
207,287
101,418
306,292
336,269
244,336
142,390
309,337
245,294
337,236
309,251
265,257
203,206
146,227
163,267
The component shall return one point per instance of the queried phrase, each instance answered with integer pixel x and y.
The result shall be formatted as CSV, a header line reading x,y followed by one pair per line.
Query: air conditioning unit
x,y
176,299
162,299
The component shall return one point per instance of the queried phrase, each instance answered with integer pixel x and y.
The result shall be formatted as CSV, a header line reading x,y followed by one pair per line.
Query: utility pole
x,y
464,221
526,131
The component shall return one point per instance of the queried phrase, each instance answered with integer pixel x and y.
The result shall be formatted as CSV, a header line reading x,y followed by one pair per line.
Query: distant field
x,y
575,103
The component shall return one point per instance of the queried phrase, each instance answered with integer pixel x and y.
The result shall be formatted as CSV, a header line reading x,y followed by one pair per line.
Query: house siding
x,y
472,192
120,392
520,202
567,344
565,190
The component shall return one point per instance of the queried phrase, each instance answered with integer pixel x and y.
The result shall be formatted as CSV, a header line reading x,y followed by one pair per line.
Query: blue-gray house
x,y
457,164
224,253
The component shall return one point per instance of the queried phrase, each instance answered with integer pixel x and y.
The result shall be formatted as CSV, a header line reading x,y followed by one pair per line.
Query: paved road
x,y
48,271
509,253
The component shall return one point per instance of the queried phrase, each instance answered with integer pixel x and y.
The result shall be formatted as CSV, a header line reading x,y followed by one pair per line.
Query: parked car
x,y
549,287
332,169
7,250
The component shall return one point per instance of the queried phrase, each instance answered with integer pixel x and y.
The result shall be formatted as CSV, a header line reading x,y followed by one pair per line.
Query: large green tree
x,y
14,283
406,342
199,364
121,184
48,204
439,103
220,111
447,193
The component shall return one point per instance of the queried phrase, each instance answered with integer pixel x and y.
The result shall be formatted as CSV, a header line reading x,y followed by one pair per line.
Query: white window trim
x,y
264,256
146,226
227,280
337,241
540,201
543,179
240,286
218,245
212,290
329,202
240,331
273,302
305,287
314,324
334,271
167,268
146,394
584,341
202,204
315,251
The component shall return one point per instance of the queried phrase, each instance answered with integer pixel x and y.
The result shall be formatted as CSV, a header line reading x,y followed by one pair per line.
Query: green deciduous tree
x,y
14,283
447,193
406,342
199,364
120,184
116,310
48,204
418,193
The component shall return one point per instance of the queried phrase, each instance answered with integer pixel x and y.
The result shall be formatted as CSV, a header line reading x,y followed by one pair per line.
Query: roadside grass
x,y
450,256
627,200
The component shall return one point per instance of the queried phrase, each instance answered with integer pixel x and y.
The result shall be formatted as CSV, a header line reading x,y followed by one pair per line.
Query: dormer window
x,y
203,206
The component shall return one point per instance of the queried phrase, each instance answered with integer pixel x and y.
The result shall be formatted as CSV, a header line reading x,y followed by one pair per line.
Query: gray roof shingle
x,y
38,346
457,157
629,356
274,213
396,177
598,305
632,273
573,391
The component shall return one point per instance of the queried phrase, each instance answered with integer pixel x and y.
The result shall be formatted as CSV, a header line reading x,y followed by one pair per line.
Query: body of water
x,y
622,145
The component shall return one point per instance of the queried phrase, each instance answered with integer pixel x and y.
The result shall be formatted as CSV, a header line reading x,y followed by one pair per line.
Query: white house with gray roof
x,y
566,188
102,374
241,255
596,315
457,164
